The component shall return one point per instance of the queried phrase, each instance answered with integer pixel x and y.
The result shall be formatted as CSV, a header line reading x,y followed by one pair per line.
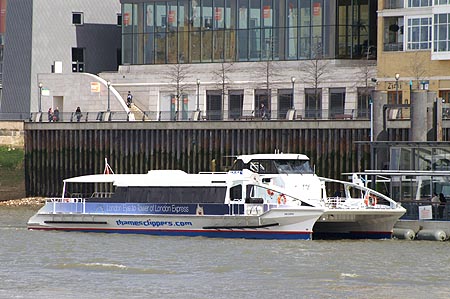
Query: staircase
x,y
138,113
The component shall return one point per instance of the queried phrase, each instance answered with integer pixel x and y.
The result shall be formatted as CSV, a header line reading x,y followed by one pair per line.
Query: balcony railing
x,y
208,115
393,47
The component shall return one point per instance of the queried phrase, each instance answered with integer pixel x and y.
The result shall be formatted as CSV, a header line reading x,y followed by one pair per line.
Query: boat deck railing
x,y
102,194
79,203
353,203
440,211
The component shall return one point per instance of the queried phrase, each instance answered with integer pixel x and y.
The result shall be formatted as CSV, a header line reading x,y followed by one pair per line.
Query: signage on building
x,y
393,85
218,14
95,86
126,19
424,84
45,92
171,17
266,12
316,9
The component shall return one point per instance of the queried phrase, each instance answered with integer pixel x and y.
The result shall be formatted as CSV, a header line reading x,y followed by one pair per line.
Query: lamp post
x,y
40,96
397,76
198,87
293,84
108,83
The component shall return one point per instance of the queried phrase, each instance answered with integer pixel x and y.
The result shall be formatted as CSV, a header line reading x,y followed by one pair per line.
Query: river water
x,y
39,264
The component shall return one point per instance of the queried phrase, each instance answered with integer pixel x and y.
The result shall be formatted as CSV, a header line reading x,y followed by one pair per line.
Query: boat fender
x,y
281,199
404,233
432,234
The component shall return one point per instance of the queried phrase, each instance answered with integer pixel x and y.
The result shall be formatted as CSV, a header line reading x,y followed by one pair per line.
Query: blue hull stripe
x,y
197,233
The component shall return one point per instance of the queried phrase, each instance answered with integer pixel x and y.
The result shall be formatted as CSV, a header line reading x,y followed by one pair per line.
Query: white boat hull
x,y
277,223
357,224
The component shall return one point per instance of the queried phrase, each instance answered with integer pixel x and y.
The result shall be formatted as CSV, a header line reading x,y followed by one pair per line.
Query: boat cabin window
x,y
173,194
236,192
293,166
275,166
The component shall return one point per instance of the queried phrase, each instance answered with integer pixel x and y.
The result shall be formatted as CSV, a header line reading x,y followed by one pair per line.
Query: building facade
x,y
229,58
414,39
54,37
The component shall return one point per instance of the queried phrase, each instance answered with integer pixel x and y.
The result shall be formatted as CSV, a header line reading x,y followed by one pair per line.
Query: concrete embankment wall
x,y
12,133
54,151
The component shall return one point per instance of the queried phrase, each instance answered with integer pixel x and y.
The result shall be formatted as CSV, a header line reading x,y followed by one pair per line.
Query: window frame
x,y
80,15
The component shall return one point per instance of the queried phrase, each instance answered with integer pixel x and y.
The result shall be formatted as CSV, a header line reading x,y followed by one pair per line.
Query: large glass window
x,y
313,102
187,31
285,102
304,23
183,31
127,33
355,36
393,34
255,32
337,102
291,31
441,2
262,103
160,34
236,100
419,33
242,39
77,60
363,101
441,33
149,37
214,104
419,3
207,30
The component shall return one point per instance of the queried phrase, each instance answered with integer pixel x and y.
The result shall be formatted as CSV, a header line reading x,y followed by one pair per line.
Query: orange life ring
x,y
281,199
370,200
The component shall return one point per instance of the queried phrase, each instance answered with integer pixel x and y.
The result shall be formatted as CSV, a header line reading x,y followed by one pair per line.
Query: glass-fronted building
x,y
193,31
315,57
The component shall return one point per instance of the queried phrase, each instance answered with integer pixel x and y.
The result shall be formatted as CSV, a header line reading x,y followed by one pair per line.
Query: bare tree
x,y
177,74
316,72
223,80
269,69
366,73
418,68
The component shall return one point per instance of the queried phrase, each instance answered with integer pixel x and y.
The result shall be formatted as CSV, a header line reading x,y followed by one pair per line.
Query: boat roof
x,y
156,178
402,172
93,178
248,158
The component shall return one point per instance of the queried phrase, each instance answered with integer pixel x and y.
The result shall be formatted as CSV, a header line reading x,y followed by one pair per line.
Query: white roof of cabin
x,y
248,158
155,178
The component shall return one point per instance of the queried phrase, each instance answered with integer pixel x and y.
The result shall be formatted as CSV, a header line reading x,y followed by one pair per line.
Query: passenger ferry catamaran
x,y
172,202
264,196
